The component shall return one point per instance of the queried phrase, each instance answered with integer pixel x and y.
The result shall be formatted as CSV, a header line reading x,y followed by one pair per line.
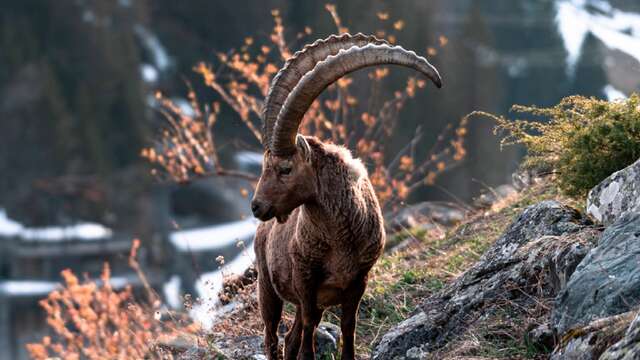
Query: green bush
x,y
584,140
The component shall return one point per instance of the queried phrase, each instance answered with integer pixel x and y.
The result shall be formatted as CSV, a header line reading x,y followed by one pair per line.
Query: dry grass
x,y
501,331
188,146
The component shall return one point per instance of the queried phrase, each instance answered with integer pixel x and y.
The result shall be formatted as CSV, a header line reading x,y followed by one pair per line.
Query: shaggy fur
x,y
324,234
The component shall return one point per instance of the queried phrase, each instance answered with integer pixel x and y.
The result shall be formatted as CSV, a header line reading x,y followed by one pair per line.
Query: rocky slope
x,y
528,276
552,263
518,273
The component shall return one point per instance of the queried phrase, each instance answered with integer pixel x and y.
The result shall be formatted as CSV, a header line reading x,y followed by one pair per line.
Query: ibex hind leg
x,y
293,338
349,317
271,311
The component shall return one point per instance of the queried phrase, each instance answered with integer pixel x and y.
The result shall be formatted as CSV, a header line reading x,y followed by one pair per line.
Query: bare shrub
x,y
188,146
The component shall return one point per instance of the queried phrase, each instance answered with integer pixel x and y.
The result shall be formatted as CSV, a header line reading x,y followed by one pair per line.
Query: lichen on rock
x,y
607,281
629,347
615,196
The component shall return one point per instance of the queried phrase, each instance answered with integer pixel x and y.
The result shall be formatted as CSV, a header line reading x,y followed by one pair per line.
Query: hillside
x,y
421,265
501,284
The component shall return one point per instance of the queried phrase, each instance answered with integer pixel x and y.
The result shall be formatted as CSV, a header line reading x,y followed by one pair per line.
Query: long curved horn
x,y
299,64
330,70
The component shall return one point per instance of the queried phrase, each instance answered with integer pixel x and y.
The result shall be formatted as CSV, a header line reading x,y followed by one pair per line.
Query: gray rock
x,y
629,347
427,212
182,347
541,337
402,340
589,342
522,179
525,177
546,236
615,196
493,195
241,347
577,349
252,347
563,263
327,340
194,353
607,281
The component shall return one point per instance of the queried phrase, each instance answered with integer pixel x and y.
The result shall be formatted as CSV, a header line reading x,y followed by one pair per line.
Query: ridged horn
x,y
299,64
329,70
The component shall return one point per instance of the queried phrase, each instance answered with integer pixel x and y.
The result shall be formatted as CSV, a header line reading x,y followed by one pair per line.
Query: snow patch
x,y
213,237
81,231
8,227
184,106
151,42
573,31
34,288
171,290
613,93
249,158
617,29
209,284
149,73
26,287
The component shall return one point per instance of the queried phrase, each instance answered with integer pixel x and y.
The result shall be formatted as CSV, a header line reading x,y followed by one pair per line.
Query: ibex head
x,y
285,183
287,179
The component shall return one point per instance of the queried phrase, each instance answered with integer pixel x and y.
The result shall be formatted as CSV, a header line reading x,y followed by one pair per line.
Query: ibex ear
x,y
303,147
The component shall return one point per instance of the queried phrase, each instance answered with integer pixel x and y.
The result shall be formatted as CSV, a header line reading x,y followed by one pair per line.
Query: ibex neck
x,y
336,204
328,217
342,198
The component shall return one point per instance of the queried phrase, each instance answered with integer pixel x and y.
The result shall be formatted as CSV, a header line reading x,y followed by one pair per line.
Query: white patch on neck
x,y
356,169
355,166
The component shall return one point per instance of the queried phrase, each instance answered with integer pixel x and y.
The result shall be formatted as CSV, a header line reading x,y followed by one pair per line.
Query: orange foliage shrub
x,y
188,145
91,319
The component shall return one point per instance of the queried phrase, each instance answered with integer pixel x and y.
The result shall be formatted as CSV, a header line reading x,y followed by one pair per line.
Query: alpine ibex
x,y
322,227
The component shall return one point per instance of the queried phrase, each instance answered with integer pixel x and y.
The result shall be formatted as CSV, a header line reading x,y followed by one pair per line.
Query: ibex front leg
x,y
271,311
306,282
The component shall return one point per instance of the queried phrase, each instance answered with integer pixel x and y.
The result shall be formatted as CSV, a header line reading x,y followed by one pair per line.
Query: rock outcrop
x,y
607,281
491,196
593,313
427,212
589,342
251,347
531,260
617,195
629,347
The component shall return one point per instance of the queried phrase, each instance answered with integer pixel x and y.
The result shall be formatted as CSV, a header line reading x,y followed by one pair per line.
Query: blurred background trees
x,y
78,86
77,80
